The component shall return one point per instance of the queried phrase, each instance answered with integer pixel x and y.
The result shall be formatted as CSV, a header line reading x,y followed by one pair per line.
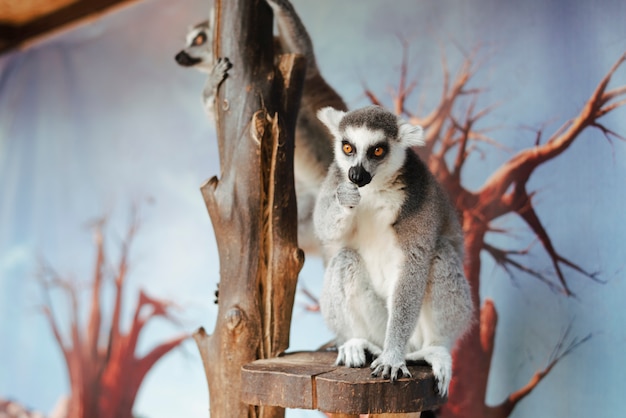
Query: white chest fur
x,y
376,240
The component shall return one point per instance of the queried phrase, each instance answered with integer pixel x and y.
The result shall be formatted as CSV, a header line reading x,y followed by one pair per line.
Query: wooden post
x,y
252,205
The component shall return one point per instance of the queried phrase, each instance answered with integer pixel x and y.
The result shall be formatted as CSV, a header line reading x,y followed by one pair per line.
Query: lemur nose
x,y
359,176
184,59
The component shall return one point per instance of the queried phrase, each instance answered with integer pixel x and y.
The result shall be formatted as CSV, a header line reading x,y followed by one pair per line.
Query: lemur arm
x,y
334,209
405,303
218,73
408,293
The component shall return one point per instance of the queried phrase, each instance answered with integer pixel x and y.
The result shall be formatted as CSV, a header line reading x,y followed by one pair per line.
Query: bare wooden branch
x,y
404,90
519,168
504,260
252,204
95,316
371,96
120,277
488,325
314,305
145,363
562,349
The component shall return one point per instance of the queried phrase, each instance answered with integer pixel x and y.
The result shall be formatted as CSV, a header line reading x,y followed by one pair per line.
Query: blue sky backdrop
x,y
100,117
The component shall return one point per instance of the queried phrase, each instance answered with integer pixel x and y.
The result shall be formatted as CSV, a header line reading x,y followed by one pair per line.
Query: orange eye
x,y
379,151
347,149
199,40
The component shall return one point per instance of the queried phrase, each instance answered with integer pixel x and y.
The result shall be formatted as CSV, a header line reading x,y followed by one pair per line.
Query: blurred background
x,y
104,144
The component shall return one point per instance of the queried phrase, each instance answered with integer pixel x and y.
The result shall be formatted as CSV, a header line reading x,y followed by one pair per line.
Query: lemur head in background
x,y
198,52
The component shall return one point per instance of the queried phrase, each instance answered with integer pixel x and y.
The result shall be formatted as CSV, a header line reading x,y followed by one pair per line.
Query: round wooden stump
x,y
309,380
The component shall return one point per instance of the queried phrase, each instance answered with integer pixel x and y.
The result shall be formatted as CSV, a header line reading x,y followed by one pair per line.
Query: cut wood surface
x,y
310,380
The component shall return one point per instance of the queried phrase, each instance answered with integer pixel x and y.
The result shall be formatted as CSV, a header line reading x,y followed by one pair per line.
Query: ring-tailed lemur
x,y
394,285
313,150
199,54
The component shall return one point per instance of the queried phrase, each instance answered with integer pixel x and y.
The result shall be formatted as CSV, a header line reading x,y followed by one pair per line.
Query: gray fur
x,y
394,284
372,117
313,151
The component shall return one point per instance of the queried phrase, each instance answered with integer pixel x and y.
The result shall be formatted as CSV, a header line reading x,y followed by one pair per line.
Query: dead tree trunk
x,y
252,205
105,371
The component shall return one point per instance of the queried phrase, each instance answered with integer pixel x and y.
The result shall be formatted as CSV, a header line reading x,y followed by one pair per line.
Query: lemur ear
x,y
331,118
411,135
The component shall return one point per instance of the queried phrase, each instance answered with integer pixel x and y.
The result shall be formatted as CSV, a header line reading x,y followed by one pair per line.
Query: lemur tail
x,y
294,37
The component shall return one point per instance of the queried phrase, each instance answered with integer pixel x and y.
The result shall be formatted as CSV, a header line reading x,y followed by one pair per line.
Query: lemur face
x,y
362,152
370,143
199,50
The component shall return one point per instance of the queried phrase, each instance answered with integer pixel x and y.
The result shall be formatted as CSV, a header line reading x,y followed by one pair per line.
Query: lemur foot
x,y
390,365
440,360
353,352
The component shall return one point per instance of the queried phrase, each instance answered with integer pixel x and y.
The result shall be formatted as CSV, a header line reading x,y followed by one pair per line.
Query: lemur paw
x,y
348,195
353,353
440,360
220,70
390,365
218,74
443,374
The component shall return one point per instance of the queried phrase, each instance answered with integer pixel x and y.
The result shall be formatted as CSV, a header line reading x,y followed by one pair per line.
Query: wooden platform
x,y
309,380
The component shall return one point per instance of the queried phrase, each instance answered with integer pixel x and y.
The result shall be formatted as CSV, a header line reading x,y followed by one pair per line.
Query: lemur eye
x,y
199,39
347,148
377,151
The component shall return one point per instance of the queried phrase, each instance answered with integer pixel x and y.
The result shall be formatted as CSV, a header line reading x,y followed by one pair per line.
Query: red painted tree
x,y
104,370
452,136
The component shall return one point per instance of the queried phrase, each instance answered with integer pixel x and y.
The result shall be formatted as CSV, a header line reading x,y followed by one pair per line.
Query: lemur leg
x,y
444,316
347,304
218,73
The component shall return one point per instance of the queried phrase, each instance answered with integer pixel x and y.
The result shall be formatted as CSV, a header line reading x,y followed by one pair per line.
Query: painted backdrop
x,y
98,120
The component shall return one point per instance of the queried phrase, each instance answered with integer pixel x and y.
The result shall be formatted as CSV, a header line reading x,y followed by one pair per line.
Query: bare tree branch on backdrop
x,y
105,372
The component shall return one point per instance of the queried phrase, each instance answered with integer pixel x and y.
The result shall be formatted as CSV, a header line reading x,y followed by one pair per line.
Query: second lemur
x,y
394,285
313,144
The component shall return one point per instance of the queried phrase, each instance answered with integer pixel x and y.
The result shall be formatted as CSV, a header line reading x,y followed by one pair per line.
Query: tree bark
x,y
252,206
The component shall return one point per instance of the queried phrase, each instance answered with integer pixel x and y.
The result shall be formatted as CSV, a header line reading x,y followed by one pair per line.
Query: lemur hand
x,y
348,195
220,70
215,78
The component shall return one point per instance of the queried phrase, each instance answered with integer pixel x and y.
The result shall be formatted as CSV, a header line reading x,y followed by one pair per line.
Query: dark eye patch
x,y
199,39
378,151
347,147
